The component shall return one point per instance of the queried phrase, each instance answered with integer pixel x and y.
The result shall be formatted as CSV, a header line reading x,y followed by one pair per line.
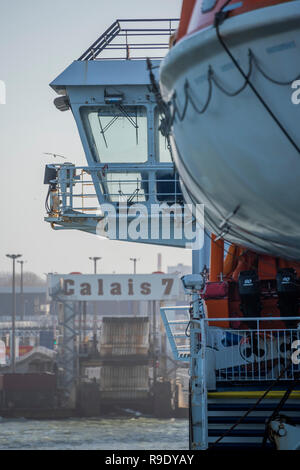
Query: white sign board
x,y
114,287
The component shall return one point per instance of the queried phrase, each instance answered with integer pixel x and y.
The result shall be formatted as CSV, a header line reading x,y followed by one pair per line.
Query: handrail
x,y
119,30
73,184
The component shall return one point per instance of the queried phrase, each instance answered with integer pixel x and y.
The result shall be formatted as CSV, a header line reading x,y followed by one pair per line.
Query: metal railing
x,y
131,38
260,353
176,330
75,188
43,322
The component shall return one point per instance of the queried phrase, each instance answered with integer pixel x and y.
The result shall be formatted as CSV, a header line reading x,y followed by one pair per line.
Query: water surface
x,y
94,434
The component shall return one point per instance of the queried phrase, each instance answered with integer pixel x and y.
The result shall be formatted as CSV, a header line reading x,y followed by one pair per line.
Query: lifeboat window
x,y
117,133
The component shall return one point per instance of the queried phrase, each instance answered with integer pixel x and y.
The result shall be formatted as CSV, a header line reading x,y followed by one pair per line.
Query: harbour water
x,y
136,433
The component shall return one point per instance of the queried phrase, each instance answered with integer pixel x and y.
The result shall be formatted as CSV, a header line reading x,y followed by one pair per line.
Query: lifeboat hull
x,y
233,157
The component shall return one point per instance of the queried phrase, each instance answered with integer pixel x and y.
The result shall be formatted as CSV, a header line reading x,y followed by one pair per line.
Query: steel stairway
x,y
223,413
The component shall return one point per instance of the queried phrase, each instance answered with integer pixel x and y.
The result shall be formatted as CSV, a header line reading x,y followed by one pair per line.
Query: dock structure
x,y
125,357
128,363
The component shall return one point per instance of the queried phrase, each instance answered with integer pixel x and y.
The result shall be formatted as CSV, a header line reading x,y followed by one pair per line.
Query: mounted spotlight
x,y
193,282
62,103
50,176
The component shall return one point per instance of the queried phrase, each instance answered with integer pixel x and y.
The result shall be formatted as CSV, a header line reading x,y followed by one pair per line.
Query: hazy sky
x,y
39,39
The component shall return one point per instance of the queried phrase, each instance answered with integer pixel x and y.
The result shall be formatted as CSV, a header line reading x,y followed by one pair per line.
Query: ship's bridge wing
x,y
103,73
128,159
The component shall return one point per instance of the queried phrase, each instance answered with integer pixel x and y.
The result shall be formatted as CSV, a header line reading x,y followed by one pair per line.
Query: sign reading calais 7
x,y
114,287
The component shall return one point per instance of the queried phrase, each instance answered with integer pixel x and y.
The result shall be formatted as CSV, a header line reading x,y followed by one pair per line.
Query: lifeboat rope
x,y
242,88
163,109
276,82
172,110
219,18
168,118
231,227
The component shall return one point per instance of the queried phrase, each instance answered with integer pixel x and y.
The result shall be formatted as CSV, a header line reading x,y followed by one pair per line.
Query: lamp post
x,y
135,260
95,259
22,289
14,304
134,303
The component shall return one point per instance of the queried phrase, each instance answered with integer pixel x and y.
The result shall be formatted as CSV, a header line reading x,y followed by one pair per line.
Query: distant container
x,y
124,336
124,382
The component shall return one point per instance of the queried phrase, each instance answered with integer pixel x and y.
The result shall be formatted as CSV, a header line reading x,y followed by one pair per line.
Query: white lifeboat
x,y
231,82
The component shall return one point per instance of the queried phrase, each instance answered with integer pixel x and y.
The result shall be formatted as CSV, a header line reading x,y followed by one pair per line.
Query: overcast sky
x,y
39,39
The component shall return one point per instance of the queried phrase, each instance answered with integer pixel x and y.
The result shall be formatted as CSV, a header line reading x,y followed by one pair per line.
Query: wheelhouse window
x,y
117,133
127,187
164,152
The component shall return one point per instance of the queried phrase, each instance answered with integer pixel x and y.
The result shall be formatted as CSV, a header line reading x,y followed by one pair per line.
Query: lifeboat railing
x,y
261,353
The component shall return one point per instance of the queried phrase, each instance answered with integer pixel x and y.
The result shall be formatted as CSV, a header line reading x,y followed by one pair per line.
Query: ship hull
x,y
234,158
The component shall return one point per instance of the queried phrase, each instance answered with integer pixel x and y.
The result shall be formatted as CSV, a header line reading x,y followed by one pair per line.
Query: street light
x,y
22,289
95,259
14,303
134,304
135,260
